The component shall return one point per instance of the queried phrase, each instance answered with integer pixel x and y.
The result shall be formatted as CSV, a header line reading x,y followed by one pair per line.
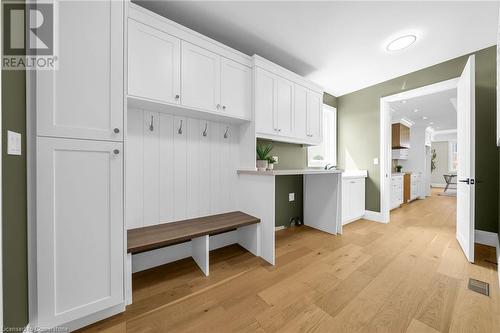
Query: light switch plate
x,y
291,196
276,158
13,143
375,161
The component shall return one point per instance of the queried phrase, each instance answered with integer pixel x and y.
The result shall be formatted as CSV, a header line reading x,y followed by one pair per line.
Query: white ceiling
x,y
341,45
439,108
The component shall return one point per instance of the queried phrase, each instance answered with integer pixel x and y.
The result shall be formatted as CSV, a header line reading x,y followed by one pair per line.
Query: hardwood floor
x,y
406,276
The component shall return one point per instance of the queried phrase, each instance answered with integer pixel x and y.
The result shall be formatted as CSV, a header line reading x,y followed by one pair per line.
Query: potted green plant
x,y
263,151
399,168
271,160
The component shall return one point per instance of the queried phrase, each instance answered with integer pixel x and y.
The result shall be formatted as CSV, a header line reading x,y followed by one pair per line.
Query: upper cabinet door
x,y
300,111
200,78
265,102
314,115
83,98
236,89
80,244
284,108
154,63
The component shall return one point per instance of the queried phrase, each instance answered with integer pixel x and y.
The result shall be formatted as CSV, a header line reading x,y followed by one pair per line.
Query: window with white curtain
x,y
326,152
452,156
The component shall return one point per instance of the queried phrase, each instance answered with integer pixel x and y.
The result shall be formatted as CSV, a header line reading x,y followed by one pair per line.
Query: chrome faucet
x,y
329,167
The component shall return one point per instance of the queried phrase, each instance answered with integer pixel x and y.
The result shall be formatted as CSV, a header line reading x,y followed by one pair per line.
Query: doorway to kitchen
x,y
426,142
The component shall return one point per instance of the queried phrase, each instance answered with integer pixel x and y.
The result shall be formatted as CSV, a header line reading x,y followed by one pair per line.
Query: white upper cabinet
x,y
154,62
83,98
236,89
287,107
265,102
284,107
200,78
314,116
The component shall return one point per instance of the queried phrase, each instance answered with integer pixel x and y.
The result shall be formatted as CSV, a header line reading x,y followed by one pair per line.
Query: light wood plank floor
x,y
407,276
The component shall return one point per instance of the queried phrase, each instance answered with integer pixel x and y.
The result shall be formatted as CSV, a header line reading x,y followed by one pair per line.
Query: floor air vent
x,y
479,287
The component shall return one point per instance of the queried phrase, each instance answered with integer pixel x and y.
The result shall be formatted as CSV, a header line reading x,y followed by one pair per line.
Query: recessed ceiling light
x,y
401,43
424,117
416,110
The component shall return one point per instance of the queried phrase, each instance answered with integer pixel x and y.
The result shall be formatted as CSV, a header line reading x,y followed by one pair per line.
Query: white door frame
x,y
386,133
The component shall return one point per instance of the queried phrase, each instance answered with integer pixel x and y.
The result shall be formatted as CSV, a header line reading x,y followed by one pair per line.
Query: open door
x,y
466,155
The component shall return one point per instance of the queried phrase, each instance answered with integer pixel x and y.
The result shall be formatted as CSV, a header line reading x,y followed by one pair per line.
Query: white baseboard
x,y
374,216
278,228
438,185
486,238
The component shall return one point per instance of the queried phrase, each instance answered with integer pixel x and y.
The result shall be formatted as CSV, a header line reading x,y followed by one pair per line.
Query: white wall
x,y
172,176
441,149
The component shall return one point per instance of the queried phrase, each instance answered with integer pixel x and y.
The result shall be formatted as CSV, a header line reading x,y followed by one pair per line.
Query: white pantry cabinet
x,y
80,230
154,63
287,107
353,198
83,98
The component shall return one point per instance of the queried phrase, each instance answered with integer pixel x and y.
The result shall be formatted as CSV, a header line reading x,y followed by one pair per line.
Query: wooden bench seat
x,y
166,234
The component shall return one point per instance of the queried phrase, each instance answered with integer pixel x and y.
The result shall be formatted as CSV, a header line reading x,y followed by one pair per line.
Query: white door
x,y
466,155
314,115
83,98
80,232
300,111
264,102
154,63
284,107
236,87
200,77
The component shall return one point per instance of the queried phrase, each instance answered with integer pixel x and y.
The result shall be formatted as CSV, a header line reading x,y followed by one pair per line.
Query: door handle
x,y
465,181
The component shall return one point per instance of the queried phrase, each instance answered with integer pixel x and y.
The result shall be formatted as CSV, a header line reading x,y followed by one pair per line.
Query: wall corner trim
x,y
486,238
375,216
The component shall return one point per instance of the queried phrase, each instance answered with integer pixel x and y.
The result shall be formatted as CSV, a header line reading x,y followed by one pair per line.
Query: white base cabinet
x,y
396,191
80,234
353,199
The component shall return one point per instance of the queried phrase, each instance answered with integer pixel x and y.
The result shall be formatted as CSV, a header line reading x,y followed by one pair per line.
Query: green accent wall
x,y
14,203
358,130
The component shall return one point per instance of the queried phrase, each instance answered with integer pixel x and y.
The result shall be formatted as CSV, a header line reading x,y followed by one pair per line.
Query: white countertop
x,y
355,174
289,172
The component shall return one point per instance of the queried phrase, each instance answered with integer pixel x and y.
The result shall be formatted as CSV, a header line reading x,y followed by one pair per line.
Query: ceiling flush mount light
x,y
424,117
401,43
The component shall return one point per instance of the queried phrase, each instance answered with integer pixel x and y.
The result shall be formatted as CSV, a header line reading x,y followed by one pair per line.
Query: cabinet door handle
x,y
177,97
223,107
218,106
309,135
279,129
116,130
116,151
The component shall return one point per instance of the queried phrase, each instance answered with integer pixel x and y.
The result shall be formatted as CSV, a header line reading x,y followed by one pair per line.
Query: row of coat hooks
x,y
179,130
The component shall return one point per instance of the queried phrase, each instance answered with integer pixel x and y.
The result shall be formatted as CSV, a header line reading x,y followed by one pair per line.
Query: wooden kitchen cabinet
x,y
400,136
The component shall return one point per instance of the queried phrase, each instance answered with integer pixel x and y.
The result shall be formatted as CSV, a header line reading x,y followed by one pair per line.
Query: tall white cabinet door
x,y
80,233
300,110
154,63
265,102
83,98
200,78
284,106
358,197
314,115
236,87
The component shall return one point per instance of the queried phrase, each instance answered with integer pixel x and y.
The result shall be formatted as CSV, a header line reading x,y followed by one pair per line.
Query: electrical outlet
x,y
13,143
291,196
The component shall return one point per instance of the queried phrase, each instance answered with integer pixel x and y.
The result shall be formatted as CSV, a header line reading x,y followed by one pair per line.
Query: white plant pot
x,y
270,166
261,165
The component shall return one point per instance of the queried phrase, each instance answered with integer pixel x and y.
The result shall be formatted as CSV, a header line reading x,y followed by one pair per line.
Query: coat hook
x,y
225,133
151,127
180,128
205,130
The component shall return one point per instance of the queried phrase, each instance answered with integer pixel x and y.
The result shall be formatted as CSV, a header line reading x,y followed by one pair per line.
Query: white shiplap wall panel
x,y
166,170
180,166
172,176
134,162
151,159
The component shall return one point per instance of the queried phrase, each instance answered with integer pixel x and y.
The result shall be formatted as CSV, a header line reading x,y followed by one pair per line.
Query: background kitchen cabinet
x,y
154,63
200,78
396,191
83,98
80,231
400,136
353,199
